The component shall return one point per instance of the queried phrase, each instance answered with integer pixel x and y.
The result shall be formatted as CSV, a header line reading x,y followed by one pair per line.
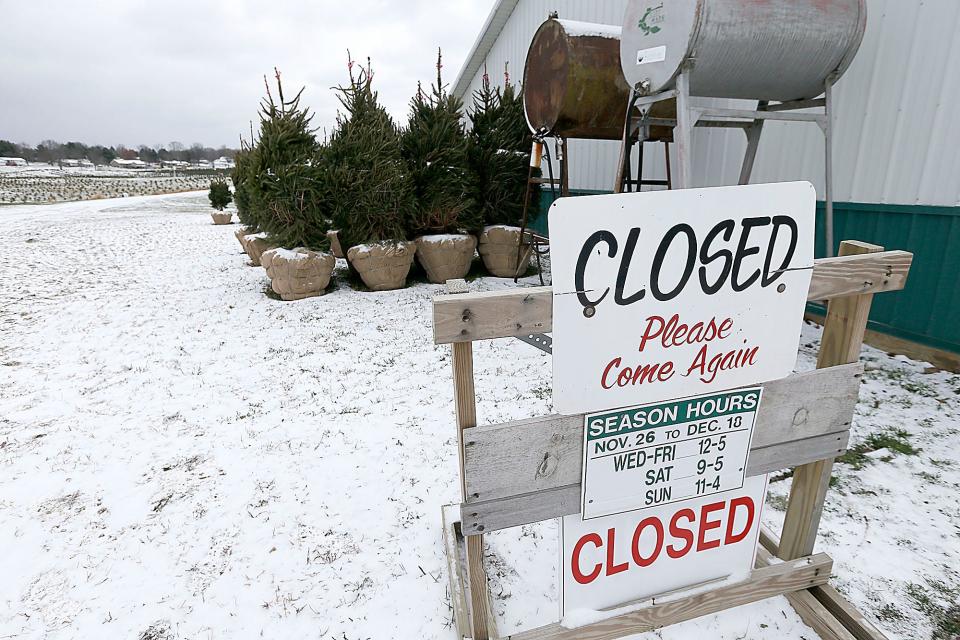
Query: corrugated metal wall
x,y
895,141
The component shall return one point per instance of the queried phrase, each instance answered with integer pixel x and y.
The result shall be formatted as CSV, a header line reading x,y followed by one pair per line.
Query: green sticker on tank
x,y
650,19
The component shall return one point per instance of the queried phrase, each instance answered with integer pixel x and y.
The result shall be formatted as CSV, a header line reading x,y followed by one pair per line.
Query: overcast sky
x,y
153,71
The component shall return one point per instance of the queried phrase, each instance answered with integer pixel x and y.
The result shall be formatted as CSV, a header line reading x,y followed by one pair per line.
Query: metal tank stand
x,y
539,243
690,115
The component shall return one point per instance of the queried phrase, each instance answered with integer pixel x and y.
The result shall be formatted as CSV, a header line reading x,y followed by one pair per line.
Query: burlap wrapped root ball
x,y
255,245
446,257
241,235
335,247
499,249
220,218
299,273
383,266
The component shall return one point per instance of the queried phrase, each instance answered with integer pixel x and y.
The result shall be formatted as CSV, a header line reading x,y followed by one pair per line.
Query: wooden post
x,y
842,341
466,408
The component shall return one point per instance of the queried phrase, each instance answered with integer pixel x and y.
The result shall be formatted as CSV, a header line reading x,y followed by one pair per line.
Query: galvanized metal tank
x,y
754,49
573,84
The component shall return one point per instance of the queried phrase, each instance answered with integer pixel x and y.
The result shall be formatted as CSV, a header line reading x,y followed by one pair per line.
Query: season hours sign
x,y
660,454
672,294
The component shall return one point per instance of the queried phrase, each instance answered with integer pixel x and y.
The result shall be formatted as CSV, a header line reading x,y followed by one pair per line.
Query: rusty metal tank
x,y
574,86
755,49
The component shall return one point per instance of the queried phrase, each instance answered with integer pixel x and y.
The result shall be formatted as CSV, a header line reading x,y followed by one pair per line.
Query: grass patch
x,y
938,601
919,388
777,502
890,613
894,440
543,393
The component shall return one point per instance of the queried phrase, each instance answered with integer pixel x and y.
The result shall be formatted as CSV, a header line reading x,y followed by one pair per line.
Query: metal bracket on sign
x,y
539,340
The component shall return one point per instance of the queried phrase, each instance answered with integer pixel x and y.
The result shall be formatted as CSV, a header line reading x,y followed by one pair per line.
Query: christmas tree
x,y
286,189
219,195
435,148
499,154
370,191
243,169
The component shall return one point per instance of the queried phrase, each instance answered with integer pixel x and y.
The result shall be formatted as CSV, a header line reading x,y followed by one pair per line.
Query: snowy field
x,y
182,456
44,183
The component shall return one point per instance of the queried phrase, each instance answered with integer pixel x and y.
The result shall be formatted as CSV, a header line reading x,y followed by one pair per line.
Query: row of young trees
x,y
375,180
52,151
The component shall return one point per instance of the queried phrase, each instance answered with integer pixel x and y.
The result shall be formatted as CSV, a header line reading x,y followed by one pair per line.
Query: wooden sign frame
x,y
529,470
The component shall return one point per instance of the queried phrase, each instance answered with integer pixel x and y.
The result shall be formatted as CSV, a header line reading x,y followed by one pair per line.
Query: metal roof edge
x,y
497,19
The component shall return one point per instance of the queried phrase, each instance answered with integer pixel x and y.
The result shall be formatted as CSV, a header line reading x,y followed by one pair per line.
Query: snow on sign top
x,y
670,294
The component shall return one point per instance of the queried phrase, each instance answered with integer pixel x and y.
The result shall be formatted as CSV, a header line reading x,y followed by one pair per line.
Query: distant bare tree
x,y
49,151
195,154
148,154
176,150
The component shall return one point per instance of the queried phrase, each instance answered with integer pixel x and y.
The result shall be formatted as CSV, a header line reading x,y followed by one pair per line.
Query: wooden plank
x,y
810,610
555,502
858,624
841,344
506,314
543,453
497,314
849,616
859,274
451,545
764,583
465,404
481,616
515,511
798,452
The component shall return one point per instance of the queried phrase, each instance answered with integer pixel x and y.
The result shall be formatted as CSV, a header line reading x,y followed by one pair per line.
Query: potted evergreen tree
x,y
499,157
435,149
287,184
243,191
220,198
370,190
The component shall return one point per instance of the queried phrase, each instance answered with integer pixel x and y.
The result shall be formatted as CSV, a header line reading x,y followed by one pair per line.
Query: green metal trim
x,y
912,209
888,329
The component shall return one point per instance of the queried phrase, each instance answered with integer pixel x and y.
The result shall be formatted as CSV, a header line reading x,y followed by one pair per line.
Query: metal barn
x,y
896,154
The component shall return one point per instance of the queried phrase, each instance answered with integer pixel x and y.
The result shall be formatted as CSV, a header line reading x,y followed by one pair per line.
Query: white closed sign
x,y
622,559
672,294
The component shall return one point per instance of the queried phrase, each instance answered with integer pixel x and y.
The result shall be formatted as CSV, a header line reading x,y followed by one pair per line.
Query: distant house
x,y
69,162
223,163
13,162
128,164
86,163
174,164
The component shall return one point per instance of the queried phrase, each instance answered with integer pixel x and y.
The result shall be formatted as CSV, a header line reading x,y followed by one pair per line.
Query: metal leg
x,y
626,146
564,169
523,224
828,138
640,146
666,157
686,119
753,143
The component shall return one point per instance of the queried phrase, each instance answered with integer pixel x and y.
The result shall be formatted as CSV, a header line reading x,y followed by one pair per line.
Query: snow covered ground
x,y
182,456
